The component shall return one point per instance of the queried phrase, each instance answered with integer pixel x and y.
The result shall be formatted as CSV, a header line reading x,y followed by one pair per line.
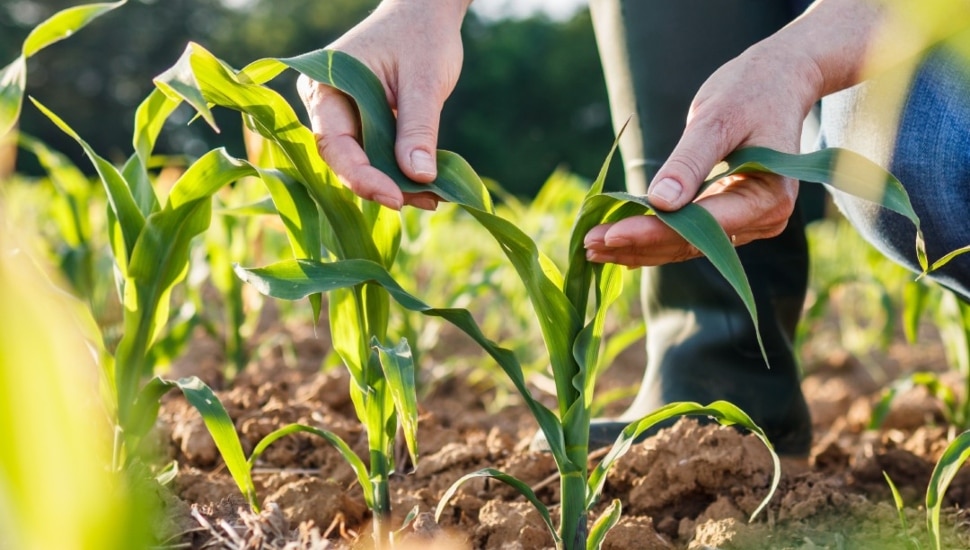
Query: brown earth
x,y
691,486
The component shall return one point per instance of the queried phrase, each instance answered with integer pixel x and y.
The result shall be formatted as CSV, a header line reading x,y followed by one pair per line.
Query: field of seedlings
x,y
239,353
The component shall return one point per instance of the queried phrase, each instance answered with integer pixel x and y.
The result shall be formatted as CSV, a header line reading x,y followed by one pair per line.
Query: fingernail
x,y
667,190
391,202
422,163
617,242
598,257
425,203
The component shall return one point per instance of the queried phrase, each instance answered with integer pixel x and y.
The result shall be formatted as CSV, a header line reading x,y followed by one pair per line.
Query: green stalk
x,y
573,484
130,362
572,525
377,436
382,498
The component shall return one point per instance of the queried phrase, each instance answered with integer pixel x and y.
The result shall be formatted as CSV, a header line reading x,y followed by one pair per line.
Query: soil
x,y
692,486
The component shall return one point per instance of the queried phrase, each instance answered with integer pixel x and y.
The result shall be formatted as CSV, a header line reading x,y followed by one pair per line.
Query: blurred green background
x,y
507,116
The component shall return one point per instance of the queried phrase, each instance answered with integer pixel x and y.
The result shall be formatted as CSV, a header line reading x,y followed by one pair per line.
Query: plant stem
x,y
572,526
382,499
574,486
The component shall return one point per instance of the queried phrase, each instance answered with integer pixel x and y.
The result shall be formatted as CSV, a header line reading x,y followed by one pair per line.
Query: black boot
x,y
701,343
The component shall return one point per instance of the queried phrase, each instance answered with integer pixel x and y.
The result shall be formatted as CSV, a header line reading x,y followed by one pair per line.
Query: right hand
x,y
414,48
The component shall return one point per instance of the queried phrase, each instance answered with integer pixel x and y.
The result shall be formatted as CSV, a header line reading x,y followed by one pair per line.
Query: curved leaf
x,y
360,469
956,453
515,483
223,433
273,118
603,524
700,229
724,412
130,219
843,169
398,366
949,256
352,77
13,77
63,24
13,81
295,279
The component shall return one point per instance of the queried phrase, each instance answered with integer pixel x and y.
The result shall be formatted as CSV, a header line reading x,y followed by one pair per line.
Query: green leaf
x,y
160,257
603,524
179,83
352,77
700,229
223,433
946,469
72,187
129,217
63,24
217,421
515,483
150,118
949,256
296,279
897,500
360,469
13,77
725,413
843,169
398,366
274,119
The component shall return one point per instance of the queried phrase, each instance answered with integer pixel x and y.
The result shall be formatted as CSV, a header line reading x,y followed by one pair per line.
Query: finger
x,y
334,121
747,209
418,115
424,201
706,140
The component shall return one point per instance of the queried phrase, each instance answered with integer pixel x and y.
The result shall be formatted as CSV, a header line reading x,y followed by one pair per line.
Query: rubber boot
x,y
701,343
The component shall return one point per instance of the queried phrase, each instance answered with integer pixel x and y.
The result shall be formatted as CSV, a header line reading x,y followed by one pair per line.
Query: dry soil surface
x,y
692,486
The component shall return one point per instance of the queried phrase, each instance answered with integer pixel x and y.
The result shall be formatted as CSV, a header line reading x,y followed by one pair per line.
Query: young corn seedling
x,y
150,242
572,327
326,221
953,458
951,315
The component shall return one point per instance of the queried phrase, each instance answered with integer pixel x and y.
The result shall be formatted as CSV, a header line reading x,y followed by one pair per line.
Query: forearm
x,y
836,44
452,11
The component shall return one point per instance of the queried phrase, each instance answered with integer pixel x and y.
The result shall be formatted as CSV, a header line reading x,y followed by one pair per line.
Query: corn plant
x,y
950,462
429,259
572,325
951,315
150,242
326,221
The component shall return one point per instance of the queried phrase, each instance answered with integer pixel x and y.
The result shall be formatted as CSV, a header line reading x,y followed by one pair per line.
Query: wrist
x,y
831,42
452,10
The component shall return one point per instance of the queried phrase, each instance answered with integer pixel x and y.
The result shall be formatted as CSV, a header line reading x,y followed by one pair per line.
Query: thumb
x,y
679,179
418,116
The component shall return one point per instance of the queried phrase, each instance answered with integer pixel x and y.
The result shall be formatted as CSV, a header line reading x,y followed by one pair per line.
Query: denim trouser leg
x,y
930,155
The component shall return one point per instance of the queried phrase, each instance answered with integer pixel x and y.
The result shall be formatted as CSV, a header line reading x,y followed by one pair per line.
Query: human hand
x,y
742,104
414,48
759,98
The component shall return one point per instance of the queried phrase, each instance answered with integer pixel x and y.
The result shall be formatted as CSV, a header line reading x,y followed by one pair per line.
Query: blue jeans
x,y
930,155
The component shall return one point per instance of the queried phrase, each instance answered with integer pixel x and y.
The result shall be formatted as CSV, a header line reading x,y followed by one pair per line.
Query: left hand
x,y
759,98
